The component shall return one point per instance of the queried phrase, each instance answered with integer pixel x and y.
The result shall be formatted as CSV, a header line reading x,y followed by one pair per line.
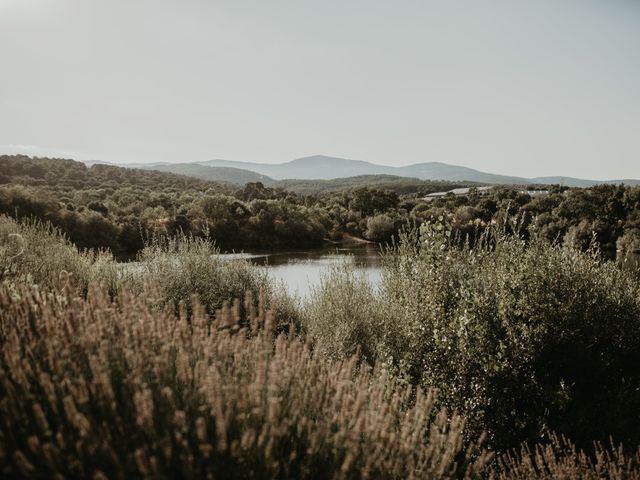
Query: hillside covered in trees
x,y
105,206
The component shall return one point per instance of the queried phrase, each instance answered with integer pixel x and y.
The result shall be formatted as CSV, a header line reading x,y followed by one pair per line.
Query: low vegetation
x,y
179,267
560,459
399,185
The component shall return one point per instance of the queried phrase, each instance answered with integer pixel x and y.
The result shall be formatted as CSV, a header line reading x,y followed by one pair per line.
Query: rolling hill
x,y
579,182
237,176
321,167
296,174
317,167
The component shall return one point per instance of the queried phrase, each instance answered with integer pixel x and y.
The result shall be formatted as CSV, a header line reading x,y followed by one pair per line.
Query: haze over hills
x,y
321,167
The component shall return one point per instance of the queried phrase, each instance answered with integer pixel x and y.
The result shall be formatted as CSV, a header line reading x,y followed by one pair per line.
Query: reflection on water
x,y
300,271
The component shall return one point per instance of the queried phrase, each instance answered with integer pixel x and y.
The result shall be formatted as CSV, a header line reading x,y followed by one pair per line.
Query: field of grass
x,y
505,360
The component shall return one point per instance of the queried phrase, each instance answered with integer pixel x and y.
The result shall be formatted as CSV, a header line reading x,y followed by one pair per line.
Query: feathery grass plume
x,y
96,387
562,459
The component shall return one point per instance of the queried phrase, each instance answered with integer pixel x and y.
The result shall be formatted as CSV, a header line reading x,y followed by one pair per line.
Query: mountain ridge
x,y
322,167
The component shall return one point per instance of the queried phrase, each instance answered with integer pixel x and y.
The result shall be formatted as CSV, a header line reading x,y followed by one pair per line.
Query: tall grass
x,y
92,388
181,266
561,459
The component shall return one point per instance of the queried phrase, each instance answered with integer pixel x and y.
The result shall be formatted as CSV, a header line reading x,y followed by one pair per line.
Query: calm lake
x,y
300,271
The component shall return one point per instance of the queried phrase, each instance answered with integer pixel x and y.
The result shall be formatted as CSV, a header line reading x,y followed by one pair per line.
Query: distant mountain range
x,y
320,167
324,168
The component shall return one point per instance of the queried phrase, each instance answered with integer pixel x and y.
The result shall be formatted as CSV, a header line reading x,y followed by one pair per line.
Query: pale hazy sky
x,y
529,88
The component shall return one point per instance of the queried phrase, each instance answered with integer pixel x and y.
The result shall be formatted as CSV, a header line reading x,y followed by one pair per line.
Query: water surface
x,y
301,270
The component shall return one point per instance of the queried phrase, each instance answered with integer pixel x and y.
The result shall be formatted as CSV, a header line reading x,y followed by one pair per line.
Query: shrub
x,y
341,316
183,266
629,243
380,228
522,339
36,252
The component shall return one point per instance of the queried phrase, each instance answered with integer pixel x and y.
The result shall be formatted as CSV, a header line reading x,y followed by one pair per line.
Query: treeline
x,y
606,214
400,185
62,173
104,206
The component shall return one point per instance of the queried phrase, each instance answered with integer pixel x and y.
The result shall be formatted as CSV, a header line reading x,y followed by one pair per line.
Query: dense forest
x,y
105,206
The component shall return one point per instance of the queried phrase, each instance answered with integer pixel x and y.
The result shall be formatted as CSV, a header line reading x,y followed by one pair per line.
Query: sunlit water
x,y
301,271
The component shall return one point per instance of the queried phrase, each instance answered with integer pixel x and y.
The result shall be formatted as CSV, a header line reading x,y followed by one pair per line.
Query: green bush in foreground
x,y
523,339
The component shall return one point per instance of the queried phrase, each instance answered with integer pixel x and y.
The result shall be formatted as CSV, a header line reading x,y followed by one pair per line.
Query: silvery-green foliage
x,y
525,338
343,315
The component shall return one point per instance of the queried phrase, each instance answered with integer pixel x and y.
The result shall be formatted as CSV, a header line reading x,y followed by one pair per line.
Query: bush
x,y
380,228
629,243
522,339
183,266
341,317
35,252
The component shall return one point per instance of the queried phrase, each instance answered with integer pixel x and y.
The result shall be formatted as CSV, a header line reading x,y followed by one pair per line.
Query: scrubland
x,y
500,358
